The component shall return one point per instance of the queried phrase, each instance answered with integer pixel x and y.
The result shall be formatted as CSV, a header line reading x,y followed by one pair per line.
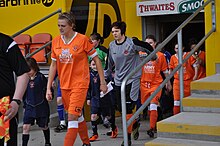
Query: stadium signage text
x,y
157,7
190,5
165,7
15,3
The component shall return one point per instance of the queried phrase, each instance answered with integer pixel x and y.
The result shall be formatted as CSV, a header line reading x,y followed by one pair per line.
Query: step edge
x,y
188,128
179,142
200,137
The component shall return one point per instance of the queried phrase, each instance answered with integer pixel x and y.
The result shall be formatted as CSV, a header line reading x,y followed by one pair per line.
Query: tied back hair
x,y
98,37
70,17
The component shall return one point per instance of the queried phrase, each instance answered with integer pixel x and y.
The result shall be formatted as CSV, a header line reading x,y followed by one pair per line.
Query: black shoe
x,y
150,132
48,144
129,143
60,128
86,144
135,130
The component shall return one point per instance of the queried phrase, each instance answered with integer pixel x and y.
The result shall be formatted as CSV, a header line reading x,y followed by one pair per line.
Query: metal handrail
x,y
32,25
158,48
169,77
35,23
38,50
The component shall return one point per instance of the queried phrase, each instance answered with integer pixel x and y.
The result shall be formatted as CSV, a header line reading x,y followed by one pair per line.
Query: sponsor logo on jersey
x,y
149,68
66,56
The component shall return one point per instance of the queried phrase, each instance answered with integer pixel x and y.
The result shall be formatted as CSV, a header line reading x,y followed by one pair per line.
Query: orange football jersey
x,y
202,70
72,60
188,70
151,71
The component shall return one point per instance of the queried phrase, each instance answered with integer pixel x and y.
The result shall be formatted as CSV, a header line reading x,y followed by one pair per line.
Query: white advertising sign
x,y
166,7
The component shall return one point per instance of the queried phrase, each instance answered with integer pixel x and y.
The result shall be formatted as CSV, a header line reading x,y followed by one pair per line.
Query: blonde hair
x,y
69,17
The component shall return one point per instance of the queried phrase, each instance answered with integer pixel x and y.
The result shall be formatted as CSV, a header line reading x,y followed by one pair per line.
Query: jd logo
x,y
188,6
47,3
95,15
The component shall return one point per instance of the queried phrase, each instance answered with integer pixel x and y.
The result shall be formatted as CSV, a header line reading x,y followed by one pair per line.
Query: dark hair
x,y
151,37
69,16
32,64
120,25
192,41
98,37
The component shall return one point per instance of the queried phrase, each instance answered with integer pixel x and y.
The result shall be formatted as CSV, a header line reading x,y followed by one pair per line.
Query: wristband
x,y
18,101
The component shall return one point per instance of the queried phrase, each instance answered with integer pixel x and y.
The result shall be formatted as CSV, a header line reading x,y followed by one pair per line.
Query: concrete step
x,y
180,142
208,85
191,125
199,103
44,69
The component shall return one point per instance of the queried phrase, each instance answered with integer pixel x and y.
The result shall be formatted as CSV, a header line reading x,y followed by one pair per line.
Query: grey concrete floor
x,y
37,139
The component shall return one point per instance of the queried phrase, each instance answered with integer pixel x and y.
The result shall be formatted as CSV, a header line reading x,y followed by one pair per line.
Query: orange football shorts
x,y
73,100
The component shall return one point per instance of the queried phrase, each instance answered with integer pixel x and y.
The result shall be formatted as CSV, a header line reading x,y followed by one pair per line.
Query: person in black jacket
x,y
11,60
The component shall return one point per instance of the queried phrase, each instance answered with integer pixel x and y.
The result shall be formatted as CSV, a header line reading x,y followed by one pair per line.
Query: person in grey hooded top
x,y
124,56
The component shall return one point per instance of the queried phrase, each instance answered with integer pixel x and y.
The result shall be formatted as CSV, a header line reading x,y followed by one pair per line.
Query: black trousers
x,y
130,104
13,130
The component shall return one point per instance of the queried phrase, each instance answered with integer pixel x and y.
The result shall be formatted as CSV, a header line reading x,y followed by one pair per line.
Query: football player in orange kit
x,y
70,51
150,80
199,61
188,74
